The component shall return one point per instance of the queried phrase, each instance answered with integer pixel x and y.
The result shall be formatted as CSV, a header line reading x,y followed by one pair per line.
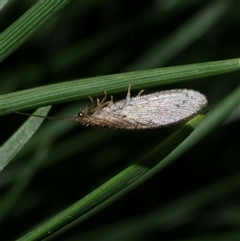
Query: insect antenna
x,y
49,117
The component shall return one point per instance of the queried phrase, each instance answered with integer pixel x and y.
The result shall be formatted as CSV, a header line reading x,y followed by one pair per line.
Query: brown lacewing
x,y
150,111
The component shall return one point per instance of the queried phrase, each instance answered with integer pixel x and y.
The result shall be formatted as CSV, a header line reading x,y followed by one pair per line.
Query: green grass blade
x,y
3,3
116,184
167,215
17,141
16,34
72,90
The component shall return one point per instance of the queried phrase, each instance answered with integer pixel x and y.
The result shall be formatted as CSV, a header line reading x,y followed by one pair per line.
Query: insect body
x,y
144,111
141,112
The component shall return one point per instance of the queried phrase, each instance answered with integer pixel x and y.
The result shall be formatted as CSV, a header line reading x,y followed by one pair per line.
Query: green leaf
x,y
78,89
20,31
17,141
116,184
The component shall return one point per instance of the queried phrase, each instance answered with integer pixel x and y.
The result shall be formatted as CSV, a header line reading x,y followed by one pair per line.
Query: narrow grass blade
x,y
114,185
17,141
73,90
16,34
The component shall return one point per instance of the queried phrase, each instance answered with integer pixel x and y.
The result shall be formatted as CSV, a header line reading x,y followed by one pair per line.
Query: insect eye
x,y
80,114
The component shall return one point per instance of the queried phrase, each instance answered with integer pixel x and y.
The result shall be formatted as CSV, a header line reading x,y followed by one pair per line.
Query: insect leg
x,y
140,92
104,98
92,101
129,91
